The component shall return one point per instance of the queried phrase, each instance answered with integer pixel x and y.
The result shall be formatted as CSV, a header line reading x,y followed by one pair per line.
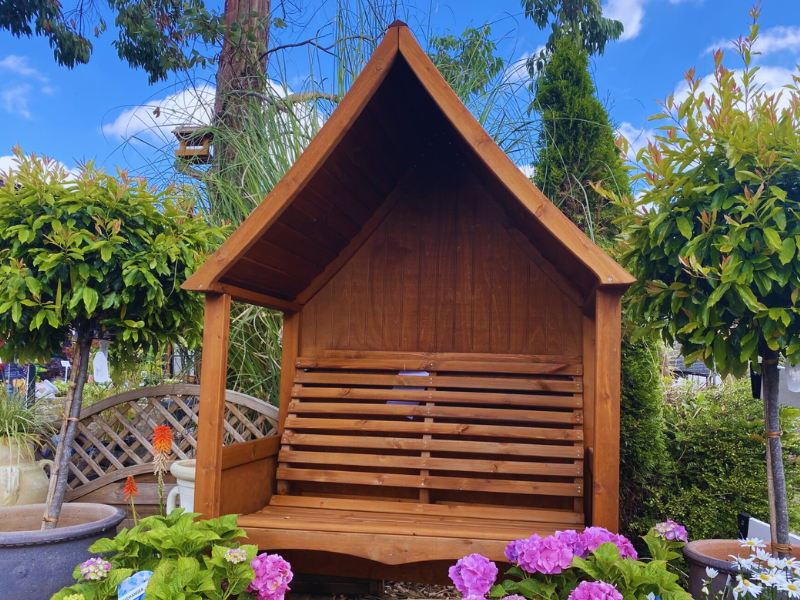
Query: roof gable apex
x,y
531,203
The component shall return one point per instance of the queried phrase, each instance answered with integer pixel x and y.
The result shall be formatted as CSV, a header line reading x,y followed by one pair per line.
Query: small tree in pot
x,y
95,256
714,239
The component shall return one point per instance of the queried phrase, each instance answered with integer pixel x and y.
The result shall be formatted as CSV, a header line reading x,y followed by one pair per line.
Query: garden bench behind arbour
x,y
451,345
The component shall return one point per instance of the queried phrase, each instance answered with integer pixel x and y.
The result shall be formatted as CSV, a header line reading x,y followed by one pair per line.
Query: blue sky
x,y
90,112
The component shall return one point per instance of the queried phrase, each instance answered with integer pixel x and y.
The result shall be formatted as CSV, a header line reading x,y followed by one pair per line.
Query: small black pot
x,y
35,564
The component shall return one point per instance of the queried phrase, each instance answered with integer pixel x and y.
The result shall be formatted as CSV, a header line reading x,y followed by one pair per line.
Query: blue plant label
x,y
134,586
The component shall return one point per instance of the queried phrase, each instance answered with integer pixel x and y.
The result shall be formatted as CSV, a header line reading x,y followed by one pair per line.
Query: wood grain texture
x,y
210,430
605,468
439,273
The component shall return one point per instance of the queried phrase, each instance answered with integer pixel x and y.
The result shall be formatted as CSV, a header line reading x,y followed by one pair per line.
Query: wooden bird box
x,y
194,144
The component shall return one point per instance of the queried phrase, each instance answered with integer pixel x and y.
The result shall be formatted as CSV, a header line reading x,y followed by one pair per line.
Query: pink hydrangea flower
x,y
528,556
555,555
273,575
593,537
512,551
572,539
473,575
670,530
95,569
513,597
626,549
595,590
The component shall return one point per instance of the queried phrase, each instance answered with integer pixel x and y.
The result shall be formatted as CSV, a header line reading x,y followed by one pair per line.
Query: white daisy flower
x,y
752,543
747,587
792,588
770,578
711,573
762,554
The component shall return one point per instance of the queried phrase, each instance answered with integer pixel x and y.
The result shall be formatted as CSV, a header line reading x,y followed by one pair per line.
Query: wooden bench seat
x,y
397,531
426,455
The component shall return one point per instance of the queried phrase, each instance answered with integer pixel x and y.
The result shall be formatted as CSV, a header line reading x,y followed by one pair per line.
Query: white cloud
x,y
528,170
773,80
630,13
20,66
517,71
769,41
155,120
15,100
637,138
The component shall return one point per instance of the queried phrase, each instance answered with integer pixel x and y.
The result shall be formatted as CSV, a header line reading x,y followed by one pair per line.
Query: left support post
x,y
211,426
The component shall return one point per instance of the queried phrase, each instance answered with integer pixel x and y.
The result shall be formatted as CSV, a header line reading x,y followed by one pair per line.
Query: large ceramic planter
x,y
36,564
22,479
717,555
183,494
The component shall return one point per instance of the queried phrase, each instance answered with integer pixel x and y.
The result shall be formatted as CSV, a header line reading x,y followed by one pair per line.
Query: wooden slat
x,y
533,433
247,452
476,357
398,443
461,397
442,381
428,364
432,482
430,463
507,513
451,412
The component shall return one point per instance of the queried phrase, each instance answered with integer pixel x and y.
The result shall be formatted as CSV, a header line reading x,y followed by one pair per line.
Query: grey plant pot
x,y
717,555
35,564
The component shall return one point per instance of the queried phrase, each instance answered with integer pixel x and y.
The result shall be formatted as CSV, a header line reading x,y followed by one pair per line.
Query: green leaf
x,y
787,251
685,227
772,238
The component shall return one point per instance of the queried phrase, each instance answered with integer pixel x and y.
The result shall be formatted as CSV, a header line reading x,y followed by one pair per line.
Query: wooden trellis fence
x,y
114,438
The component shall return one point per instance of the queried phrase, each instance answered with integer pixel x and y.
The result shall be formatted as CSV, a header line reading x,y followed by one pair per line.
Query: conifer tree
x,y
577,146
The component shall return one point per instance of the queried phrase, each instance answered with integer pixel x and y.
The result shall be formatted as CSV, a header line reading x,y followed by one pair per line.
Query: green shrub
x,y
643,457
716,461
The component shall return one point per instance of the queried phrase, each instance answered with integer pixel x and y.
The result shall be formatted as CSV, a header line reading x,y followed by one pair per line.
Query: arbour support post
x,y
210,428
605,470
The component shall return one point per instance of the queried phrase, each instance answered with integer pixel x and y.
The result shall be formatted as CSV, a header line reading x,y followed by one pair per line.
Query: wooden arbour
x,y
451,344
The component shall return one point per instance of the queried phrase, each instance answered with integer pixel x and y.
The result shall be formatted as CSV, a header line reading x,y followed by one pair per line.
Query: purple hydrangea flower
x,y
273,575
513,597
572,539
593,537
555,555
670,530
595,590
626,549
95,569
512,551
528,556
473,575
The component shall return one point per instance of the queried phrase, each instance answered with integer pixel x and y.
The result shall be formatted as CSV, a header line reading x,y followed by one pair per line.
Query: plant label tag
x,y
134,586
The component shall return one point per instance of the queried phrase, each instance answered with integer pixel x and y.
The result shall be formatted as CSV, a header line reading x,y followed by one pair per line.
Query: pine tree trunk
x,y
779,515
69,427
242,68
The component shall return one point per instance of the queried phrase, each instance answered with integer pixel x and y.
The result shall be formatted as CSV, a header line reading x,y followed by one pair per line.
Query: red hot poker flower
x,y
130,488
162,439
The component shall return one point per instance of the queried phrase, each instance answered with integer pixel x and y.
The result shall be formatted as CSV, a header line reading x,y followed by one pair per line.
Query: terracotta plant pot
x,y
182,495
717,555
36,564
22,479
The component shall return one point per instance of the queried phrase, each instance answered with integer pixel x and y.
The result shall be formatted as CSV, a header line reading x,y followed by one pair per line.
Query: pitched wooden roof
x,y
399,113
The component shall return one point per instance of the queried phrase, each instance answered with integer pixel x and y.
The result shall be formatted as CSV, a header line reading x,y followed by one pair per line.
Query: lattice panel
x,y
114,438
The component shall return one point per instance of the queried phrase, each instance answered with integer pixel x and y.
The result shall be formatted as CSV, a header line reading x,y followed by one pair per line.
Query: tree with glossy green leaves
x,y
580,20
713,238
93,257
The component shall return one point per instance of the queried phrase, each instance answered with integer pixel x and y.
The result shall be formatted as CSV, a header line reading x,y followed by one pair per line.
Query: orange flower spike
x,y
162,439
130,488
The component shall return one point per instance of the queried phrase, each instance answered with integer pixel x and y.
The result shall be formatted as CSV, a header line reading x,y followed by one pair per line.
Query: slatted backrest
x,y
477,429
